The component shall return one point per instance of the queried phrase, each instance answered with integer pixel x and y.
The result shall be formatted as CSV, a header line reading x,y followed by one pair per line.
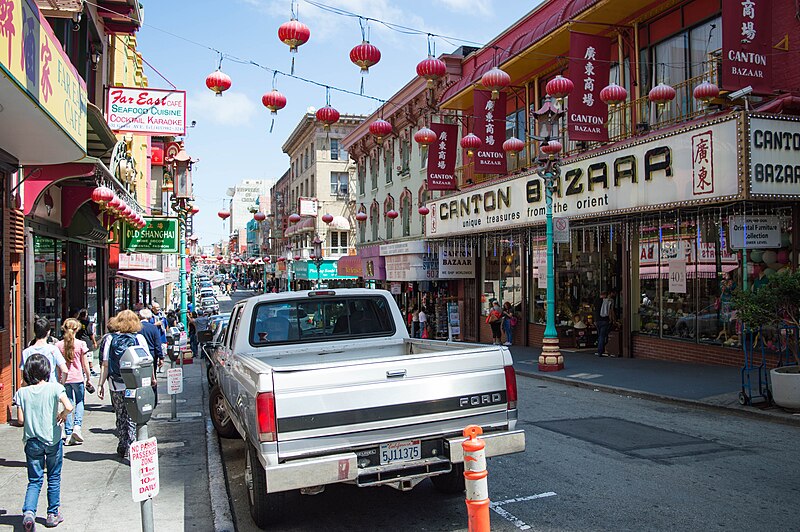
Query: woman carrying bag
x,y
495,319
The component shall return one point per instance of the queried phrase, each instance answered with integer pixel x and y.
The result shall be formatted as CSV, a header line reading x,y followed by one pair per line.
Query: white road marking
x,y
496,507
585,375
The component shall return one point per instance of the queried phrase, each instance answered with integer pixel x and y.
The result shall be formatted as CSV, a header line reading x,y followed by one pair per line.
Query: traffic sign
x,y
174,381
144,469
561,230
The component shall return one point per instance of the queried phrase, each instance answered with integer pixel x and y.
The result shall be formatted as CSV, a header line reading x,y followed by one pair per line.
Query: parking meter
x,y
172,348
136,369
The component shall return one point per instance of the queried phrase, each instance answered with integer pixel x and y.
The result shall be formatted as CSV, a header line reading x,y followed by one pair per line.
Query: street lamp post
x,y
317,259
181,204
549,115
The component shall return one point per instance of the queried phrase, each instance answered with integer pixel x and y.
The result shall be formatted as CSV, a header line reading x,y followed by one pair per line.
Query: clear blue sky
x,y
232,138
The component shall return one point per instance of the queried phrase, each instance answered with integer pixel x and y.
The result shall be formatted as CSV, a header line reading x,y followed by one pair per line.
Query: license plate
x,y
400,451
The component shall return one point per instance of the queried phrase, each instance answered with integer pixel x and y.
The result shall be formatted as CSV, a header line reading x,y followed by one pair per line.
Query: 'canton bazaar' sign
x,y
160,235
149,111
588,70
774,156
747,45
490,126
665,170
442,158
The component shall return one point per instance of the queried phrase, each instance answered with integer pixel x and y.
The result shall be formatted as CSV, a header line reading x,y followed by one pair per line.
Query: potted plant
x,y
776,304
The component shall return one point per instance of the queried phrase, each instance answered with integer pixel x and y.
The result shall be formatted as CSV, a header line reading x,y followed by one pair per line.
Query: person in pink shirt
x,y
74,352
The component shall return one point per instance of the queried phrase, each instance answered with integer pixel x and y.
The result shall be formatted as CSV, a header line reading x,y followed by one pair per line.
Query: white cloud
x,y
476,7
231,109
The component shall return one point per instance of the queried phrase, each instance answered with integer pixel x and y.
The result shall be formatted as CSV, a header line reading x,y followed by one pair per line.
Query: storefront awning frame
x,y
155,278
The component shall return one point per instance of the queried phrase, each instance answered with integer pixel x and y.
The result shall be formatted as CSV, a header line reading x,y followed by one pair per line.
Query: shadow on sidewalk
x,y
12,463
87,456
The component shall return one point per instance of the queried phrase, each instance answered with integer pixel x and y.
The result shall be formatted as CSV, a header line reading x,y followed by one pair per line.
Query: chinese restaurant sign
x,y
490,126
160,235
149,111
589,71
746,45
32,56
442,158
634,177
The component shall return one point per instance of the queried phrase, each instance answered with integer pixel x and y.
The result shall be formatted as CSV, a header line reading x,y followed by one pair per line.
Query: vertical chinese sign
x,y
588,70
746,48
702,164
490,126
442,158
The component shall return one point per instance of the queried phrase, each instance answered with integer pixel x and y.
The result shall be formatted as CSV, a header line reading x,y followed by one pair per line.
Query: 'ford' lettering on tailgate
x,y
478,400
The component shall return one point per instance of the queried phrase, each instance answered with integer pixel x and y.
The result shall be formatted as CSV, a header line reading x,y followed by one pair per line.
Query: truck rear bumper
x,y
343,467
497,443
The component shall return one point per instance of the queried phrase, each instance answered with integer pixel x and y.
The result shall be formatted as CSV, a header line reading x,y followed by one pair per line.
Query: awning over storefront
x,y
306,270
703,271
155,278
350,266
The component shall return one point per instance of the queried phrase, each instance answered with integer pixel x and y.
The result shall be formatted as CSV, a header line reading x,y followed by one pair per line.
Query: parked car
x,y
209,304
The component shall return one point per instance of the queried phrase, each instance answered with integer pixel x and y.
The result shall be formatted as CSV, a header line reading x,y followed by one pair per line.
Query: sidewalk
x,y
694,384
96,484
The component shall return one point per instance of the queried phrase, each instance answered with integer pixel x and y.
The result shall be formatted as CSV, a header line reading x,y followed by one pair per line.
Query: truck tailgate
x,y
324,408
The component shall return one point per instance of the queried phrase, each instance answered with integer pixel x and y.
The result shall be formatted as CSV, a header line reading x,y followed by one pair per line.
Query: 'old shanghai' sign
x,y
160,235
149,111
662,171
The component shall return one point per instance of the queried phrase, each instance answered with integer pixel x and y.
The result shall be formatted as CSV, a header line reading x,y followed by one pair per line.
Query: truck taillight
x,y
265,414
511,387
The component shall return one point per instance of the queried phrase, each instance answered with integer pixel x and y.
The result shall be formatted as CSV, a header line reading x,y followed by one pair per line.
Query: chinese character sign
x,y
442,158
702,164
490,126
588,70
746,48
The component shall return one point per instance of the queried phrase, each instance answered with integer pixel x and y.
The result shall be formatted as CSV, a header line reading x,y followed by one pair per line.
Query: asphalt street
x,y
594,461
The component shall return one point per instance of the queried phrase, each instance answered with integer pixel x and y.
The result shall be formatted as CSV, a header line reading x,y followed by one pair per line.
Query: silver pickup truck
x,y
326,387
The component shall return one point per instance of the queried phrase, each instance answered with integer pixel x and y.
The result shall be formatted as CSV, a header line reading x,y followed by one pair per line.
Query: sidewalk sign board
x,y
174,381
144,469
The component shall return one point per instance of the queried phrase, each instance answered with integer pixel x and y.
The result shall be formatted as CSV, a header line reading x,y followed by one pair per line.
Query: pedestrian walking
x,y
151,334
87,335
42,345
415,332
604,307
77,374
126,327
423,323
192,332
509,322
495,319
38,411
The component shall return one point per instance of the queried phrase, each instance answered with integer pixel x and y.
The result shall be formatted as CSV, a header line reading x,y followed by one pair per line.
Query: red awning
x,y
350,266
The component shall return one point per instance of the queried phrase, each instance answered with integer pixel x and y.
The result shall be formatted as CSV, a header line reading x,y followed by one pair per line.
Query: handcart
x,y
789,339
754,371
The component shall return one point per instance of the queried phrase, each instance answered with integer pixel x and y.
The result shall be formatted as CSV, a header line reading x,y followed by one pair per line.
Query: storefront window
x,y
502,274
48,295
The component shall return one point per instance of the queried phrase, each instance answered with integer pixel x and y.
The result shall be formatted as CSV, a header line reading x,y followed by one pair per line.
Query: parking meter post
x,y
147,504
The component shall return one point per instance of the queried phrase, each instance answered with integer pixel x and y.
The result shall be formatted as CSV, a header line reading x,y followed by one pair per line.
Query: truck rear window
x,y
321,319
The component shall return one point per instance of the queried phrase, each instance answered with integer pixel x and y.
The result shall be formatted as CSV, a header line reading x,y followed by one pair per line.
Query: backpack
x,y
119,343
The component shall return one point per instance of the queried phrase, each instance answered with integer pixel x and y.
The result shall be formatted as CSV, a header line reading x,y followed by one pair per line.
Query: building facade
x,y
671,203
247,197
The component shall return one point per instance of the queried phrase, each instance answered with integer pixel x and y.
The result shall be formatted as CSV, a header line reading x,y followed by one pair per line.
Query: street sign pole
x,y
147,504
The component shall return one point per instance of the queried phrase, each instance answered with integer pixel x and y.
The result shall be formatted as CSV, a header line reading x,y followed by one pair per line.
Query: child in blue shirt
x,y
38,404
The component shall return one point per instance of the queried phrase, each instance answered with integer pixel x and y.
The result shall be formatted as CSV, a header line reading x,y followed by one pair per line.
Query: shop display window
x,y
49,280
502,274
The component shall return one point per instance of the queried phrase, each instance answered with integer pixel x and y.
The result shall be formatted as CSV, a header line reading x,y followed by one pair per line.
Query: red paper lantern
x,y
705,92
312,256
102,195
125,211
392,214
297,257
661,94
294,217
425,136
613,95
424,211
281,259
327,218
513,146
364,56
380,128
293,34
470,143
551,148
204,256
115,205
496,80
328,116
559,87
224,214
361,216
259,216
432,69
266,259
274,101
220,257
218,81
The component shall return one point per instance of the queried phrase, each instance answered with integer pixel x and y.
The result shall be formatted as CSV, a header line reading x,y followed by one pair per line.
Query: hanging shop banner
x,y
747,45
308,206
442,158
456,263
774,156
146,110
754,232
413,267
677,276
490,126
589,71
629,178
160,235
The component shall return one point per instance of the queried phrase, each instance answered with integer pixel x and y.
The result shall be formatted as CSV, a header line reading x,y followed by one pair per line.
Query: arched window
x,y
388,205
405,211
374,219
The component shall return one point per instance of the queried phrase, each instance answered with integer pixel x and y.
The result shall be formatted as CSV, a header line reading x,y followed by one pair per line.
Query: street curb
x,y
217,487
754,414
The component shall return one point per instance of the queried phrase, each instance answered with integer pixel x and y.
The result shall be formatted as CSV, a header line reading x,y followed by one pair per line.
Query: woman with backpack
x,y
126,327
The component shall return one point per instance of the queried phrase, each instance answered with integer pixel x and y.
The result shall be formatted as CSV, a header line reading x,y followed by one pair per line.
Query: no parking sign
x,y
561,230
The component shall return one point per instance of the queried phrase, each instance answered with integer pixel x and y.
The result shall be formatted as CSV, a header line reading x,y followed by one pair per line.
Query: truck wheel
x,y
265,508
211,376
452,482
220,418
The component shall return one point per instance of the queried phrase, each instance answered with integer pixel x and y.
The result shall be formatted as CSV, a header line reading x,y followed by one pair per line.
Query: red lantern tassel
x,y
362,85
292,70
272,125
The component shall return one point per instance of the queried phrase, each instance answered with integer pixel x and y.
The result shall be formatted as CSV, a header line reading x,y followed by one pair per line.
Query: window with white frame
x,y
339,184
338,242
